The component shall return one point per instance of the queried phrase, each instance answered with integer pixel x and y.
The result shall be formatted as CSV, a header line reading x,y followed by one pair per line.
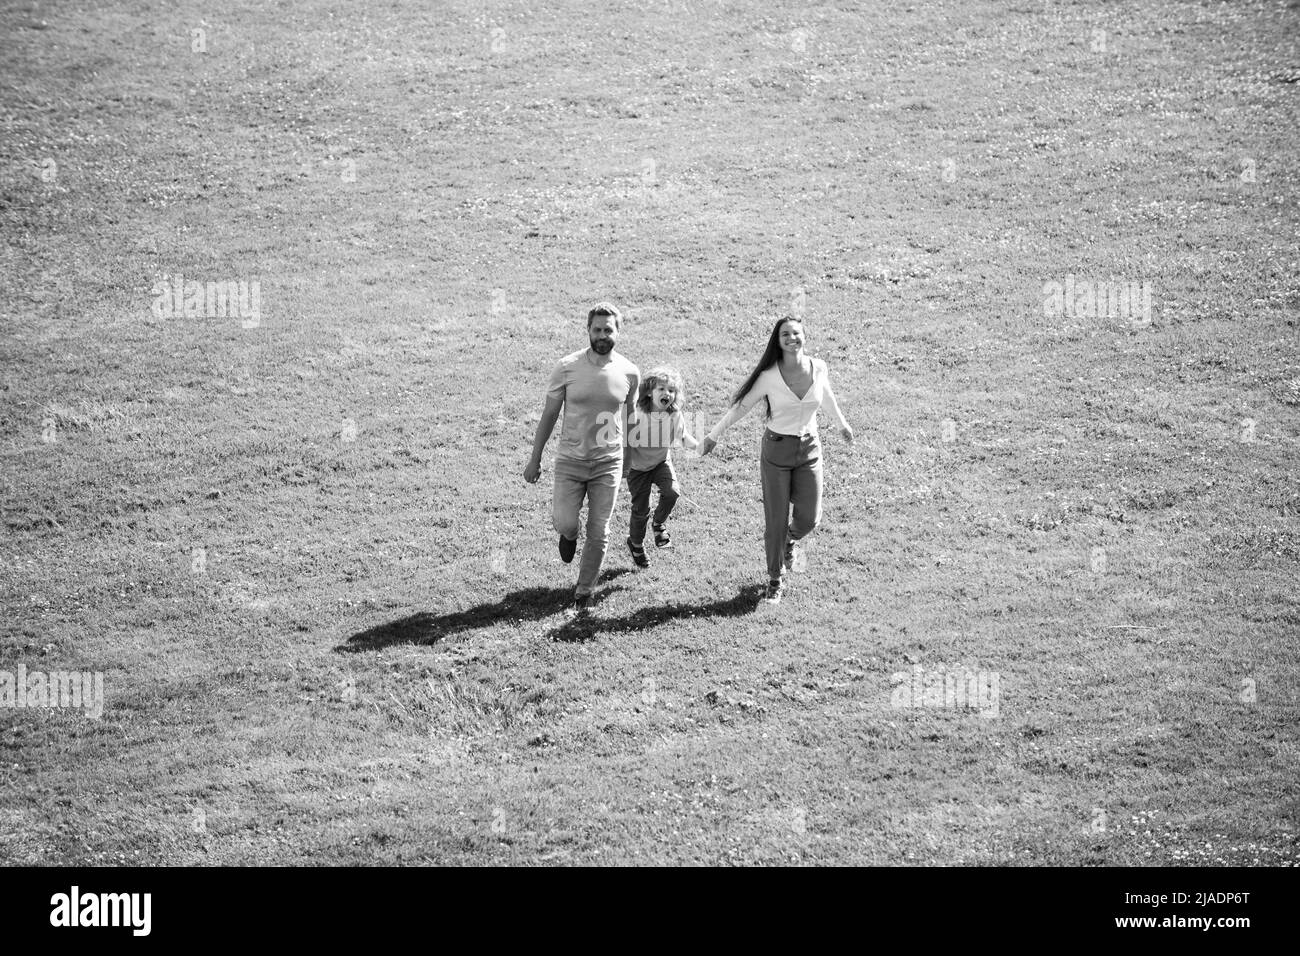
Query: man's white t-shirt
x,y
593,397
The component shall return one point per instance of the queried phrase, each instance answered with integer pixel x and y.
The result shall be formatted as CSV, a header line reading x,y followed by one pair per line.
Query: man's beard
x,y
602,347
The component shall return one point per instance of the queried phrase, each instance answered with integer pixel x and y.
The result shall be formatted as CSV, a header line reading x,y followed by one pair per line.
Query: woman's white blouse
x,y
790,415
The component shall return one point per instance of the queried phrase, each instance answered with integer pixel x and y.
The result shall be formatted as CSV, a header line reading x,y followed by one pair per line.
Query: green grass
x,y
370,664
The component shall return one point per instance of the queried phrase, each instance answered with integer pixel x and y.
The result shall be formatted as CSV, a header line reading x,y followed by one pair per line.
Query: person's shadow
x,y
536,603
427,628
587,627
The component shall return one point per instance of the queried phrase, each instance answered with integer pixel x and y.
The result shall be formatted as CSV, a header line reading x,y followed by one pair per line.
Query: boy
x,y
647,463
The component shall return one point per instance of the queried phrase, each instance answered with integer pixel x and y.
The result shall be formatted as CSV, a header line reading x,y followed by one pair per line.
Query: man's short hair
x,y
605,308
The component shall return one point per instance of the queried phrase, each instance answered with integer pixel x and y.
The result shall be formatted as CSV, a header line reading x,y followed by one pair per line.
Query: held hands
x,y
847,434
707,445
532,471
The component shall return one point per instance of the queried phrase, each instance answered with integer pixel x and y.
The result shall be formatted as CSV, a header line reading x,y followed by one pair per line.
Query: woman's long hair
x,y
771,355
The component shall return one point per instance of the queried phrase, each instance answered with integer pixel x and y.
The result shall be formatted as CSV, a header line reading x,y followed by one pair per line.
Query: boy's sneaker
x,y
662,540
773,595
568,548
581,605
638,554
794,557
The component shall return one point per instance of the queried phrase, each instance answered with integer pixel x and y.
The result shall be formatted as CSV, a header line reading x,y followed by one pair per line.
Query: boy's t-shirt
x,y
652,434
593,397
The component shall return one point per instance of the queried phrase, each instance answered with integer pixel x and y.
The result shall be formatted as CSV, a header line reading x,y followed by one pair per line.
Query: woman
x,y
794,386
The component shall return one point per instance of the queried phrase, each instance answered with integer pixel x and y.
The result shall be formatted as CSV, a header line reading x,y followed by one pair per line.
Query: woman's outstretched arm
x,y
734,414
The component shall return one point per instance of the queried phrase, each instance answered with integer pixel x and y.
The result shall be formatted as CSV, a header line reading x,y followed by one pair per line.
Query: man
x,y
596,388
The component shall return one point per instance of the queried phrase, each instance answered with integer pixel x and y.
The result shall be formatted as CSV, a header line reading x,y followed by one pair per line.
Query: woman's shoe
x,y
662,540
638,554
773,595
794,557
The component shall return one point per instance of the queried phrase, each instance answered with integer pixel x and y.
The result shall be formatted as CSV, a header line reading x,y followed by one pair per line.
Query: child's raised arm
x,y
679,430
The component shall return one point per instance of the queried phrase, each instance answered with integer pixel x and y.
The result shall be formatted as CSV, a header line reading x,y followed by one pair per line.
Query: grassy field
x,y
327,608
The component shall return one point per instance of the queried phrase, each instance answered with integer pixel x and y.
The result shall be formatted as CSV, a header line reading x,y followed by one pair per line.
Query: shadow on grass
x,y
427,628
587,627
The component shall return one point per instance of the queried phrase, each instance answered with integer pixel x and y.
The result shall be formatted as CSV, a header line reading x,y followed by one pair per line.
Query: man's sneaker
x,y
581,605
773,595
638,554
662,540
568,548
794,557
